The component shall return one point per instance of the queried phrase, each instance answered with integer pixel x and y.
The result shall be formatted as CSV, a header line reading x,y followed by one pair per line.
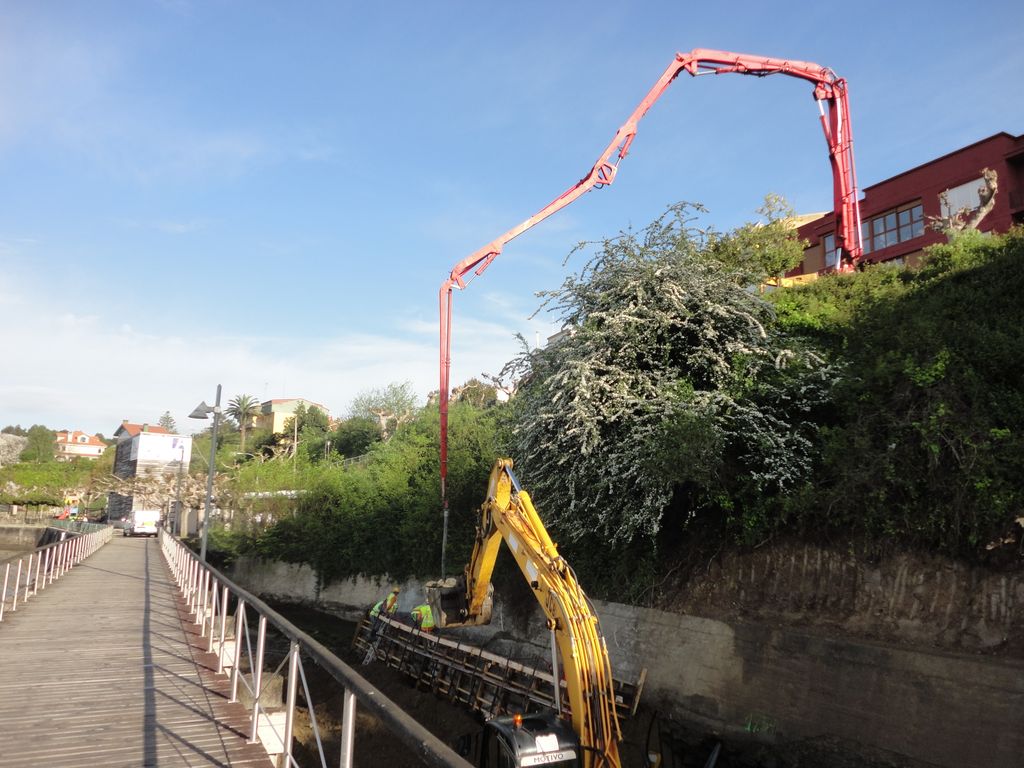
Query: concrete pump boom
x,y
829,90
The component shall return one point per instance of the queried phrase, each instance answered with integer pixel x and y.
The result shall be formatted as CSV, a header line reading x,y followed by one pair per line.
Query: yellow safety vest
x,y
425,616
375,611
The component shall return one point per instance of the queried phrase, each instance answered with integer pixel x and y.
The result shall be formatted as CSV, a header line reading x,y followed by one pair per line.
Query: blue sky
x,y
268,195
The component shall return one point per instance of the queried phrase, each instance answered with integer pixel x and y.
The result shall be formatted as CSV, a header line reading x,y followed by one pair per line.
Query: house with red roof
x,y
76,444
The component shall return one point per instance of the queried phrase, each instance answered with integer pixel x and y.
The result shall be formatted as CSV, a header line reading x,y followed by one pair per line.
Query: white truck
x,y
142,522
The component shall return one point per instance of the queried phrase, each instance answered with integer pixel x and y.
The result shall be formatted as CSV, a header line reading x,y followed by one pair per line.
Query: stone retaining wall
x,y
922,707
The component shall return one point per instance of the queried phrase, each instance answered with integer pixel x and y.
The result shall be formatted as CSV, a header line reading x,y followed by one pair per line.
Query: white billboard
x,y
152,448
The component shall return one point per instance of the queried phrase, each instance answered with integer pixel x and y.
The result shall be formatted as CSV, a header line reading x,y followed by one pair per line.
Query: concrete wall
x,y
22,538
782,684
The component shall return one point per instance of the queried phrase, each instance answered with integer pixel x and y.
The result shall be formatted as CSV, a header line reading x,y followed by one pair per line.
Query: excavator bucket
x,y
449,603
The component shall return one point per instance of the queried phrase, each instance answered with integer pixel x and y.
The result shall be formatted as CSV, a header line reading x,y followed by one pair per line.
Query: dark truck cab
x,y
517,741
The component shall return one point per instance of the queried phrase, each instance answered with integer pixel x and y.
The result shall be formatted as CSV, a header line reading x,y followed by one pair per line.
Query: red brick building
x,y
895,212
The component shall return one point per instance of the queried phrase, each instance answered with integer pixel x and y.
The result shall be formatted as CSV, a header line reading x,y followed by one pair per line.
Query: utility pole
x,y
201,411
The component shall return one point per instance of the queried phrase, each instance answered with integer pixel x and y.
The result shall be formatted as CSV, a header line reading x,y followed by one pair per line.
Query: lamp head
x,y
200,411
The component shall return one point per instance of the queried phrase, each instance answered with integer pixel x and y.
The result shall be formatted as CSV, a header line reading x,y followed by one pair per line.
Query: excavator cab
x,y
516,741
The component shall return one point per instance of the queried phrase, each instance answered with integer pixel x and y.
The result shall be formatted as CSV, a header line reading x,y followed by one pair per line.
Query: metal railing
x,y
44,565
210,597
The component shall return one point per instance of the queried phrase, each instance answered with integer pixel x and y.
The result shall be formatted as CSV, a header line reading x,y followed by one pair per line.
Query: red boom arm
x,y
828,89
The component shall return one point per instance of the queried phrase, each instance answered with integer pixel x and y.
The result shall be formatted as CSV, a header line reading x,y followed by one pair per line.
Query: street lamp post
x,y
201,411
176,517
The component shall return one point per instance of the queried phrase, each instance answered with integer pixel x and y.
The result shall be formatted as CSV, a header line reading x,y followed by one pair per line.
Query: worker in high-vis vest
x,y
423,617
388,605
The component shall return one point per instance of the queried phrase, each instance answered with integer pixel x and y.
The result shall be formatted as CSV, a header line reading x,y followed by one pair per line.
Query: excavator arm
x,y
508,514
830,92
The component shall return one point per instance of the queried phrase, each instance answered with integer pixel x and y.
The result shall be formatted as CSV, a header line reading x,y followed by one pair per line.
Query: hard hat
x,y
396,590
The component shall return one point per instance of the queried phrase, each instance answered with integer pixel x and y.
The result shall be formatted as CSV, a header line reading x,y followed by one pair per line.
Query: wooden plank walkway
x,y
104,668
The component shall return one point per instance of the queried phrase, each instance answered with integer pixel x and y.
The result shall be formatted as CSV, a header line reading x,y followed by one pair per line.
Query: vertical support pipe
x,y
257,678
3,595
239,623
214,609
293,687
223,630
28,578
39,568
204,586
17,585
193,575
348,729
197,588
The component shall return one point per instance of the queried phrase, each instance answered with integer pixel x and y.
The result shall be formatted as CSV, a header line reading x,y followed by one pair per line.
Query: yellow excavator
x,y
587,736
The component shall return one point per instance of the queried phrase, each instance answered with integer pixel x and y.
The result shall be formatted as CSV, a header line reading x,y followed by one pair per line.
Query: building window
x,y
892,227
831,257
911,223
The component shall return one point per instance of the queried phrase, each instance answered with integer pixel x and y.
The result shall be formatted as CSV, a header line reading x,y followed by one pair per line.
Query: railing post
x,y
214,605
39,568
193,567
3,595
293,687
17,585
194,586
257,677
28,577
223,629
204,586
239,623
348,728
46,569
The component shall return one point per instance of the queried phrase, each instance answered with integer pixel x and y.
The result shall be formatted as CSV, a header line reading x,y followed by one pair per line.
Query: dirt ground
x,y
681,745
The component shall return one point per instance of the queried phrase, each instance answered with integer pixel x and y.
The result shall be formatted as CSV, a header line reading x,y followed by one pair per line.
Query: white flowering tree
x,y
670,391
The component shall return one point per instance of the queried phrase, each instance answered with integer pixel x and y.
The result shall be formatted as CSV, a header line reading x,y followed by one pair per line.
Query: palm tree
x,y
243,409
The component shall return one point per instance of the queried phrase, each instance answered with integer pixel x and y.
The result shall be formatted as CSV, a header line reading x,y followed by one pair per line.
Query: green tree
x,y
354,436
243,409
391,406
41,445
760,250
312,427
925,444
168,423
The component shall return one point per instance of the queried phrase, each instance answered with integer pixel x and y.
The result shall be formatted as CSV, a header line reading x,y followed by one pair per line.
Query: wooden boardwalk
x,y
104,668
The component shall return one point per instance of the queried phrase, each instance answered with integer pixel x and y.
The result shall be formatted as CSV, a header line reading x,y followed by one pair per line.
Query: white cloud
x,y
68,370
